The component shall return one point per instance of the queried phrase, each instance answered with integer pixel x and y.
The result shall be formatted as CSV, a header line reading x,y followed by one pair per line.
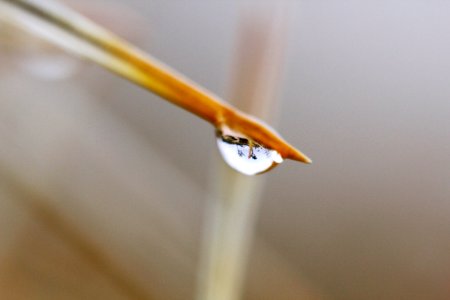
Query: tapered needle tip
x,y
299,156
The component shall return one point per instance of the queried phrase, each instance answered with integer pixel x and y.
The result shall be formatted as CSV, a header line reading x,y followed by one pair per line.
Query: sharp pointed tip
x,y
305,160
308,161
298,156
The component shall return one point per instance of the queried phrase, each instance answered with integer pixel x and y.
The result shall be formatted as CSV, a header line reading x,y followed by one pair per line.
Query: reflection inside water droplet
x,y
245,155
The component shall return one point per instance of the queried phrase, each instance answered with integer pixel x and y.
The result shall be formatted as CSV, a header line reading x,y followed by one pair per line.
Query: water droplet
x,y
245,155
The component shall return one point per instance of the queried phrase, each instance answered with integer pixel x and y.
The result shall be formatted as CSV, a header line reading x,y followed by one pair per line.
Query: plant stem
x,y
71,31
234,202
228,233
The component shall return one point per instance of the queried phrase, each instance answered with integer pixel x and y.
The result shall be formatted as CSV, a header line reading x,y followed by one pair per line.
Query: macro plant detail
x,y
246,144
73,32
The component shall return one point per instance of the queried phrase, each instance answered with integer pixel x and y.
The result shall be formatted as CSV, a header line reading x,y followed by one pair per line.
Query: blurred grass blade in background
x,y
78,35
234,200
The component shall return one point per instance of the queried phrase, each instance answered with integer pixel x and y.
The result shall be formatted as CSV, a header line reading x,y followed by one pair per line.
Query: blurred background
x,y
103,185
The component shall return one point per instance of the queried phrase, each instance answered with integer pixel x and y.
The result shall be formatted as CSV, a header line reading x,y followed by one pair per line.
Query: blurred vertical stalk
x,y
234,199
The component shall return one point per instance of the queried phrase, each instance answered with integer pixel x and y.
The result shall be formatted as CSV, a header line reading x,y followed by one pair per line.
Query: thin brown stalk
x,y
77,34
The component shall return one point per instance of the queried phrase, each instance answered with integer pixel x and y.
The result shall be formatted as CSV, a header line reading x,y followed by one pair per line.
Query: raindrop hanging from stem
x,y
245,155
